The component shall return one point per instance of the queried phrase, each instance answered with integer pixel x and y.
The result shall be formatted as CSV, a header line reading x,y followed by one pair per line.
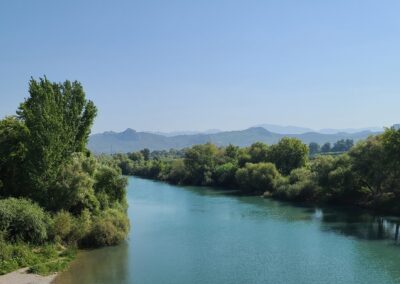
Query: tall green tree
x,y
58,118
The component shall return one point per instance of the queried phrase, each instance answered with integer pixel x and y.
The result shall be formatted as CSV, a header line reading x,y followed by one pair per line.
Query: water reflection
x,y
94,266
361,225
350,222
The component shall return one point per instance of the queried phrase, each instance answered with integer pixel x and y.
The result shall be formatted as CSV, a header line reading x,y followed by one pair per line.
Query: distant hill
x,y
131,140
289,129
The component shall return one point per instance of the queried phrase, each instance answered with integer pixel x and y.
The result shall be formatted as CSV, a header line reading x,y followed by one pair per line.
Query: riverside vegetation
x,y
368,175
55,196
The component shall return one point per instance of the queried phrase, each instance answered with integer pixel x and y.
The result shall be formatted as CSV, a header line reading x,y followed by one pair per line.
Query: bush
x,y
336,179
62,225
81,227
200,162
70,229
110,228
21,219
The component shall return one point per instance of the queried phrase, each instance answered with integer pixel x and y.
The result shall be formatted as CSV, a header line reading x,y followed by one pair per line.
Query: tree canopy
x,y
58,119
52,189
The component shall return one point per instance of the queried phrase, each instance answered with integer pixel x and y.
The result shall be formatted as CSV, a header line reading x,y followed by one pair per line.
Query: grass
x,y
43,260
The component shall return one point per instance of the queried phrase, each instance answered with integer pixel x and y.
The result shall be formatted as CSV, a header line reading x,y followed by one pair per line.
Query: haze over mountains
x,y
300,130
131,140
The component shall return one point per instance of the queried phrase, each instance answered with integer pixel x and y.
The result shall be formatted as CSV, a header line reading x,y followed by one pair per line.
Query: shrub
x,y
81,227
41,259
21,219
62,225
110,228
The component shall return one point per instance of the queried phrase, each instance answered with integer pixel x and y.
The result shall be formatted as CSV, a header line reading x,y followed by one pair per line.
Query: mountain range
x,y
131,140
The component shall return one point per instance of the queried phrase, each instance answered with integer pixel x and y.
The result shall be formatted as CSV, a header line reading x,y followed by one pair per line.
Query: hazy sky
x,y
173,65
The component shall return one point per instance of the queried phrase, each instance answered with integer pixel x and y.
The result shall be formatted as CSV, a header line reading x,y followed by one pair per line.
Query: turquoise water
x,y
200,235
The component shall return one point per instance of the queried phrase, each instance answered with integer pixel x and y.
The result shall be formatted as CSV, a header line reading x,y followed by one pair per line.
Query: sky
x,y
194,65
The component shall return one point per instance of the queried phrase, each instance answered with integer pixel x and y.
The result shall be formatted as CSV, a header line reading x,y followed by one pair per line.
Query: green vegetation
x,y
338,147
367,174
44,259
54,195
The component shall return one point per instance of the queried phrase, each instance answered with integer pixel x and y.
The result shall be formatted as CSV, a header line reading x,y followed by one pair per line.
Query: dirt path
x,y
21,277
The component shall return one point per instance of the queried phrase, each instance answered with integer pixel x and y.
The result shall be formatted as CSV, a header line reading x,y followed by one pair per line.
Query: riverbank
x,y
22,276
366,176
235,191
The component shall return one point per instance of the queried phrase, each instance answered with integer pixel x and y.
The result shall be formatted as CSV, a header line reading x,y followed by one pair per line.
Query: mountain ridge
x,y
131,140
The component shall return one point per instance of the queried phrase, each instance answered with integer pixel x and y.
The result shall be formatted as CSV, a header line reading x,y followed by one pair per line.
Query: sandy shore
x,y
21,277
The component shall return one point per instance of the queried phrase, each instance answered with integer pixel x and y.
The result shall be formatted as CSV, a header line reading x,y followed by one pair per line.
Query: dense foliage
x,y
366,174
52,190
339,146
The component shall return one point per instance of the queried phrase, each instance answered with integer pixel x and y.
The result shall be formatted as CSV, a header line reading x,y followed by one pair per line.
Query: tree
x,y
110,186
58,118
243,157
288,154
43,158
342,145
257,178
176,172
391,143
146,154
200,162
335,177
224,174
376,165
369,164
299,185
258,152
13,135
314,148
326,148
73,188
232,152
136,156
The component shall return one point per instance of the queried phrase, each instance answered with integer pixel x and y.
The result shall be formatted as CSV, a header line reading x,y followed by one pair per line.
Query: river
x,y
183,235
